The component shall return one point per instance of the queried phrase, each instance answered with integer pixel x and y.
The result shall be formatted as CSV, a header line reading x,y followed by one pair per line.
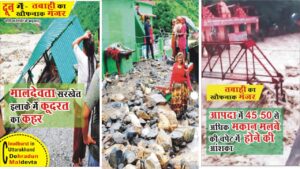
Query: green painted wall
x,y
118,25
145,8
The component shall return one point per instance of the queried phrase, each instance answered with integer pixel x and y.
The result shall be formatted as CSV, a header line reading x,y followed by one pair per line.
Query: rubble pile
x,y
139,129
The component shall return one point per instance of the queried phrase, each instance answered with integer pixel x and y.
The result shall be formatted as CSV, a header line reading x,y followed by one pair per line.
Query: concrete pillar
x,y
248,28
236,28
221,33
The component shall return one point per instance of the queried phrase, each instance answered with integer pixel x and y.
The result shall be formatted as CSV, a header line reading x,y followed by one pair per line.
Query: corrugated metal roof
x,y
59,35
63,54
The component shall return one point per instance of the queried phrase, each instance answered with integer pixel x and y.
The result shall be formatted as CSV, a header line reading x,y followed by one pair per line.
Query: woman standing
x,y
85,58
173,41
180,86
86,68
182,37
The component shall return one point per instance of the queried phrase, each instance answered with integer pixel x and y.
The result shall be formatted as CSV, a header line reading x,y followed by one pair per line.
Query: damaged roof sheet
x,y
58,38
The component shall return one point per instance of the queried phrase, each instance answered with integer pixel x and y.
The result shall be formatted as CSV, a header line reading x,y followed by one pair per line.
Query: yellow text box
x,y
233,92
23,150
38,9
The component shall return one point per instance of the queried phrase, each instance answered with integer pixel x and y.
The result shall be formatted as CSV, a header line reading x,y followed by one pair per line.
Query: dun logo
x,y
4,158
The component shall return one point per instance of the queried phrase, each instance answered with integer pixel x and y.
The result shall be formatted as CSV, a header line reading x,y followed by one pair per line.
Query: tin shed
x,y
56,46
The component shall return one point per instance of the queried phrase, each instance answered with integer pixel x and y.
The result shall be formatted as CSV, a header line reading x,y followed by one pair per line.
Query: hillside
x,y
166,10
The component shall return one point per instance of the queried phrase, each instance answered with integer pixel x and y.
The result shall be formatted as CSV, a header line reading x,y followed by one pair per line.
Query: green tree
x,y
88,14
164,17
166,10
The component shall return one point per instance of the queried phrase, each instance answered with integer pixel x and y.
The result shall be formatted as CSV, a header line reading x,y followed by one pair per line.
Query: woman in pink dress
x,y
182,38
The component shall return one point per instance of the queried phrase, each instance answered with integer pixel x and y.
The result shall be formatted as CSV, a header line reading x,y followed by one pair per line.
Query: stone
x,y
151,81
130,166
119,138
130,156
150,104
163,122
117,97
114,117
116,126
121,166
157,98
154,121
153,113
139,94
137,102
183,161
108,80
156,148
108,124
193,114
177,137
147,90
170,114
160,153
142,114
105,100
116,158
114,111
130,103
142,152
136,108
188,134
105,117
116,105
109,150
163,160
149,133
164,140
142,122
105,163
131,133
152,162
153,73
104,129
134,120
127,120
145,131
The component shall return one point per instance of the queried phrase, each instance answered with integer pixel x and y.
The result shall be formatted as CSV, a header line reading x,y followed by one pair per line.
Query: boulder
x,y
116,158
177,137
163,122
134,120
149,133
164,140
142,114
157,98
152,162
188,134
117,97
129,166
130,156
119,138
169,114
